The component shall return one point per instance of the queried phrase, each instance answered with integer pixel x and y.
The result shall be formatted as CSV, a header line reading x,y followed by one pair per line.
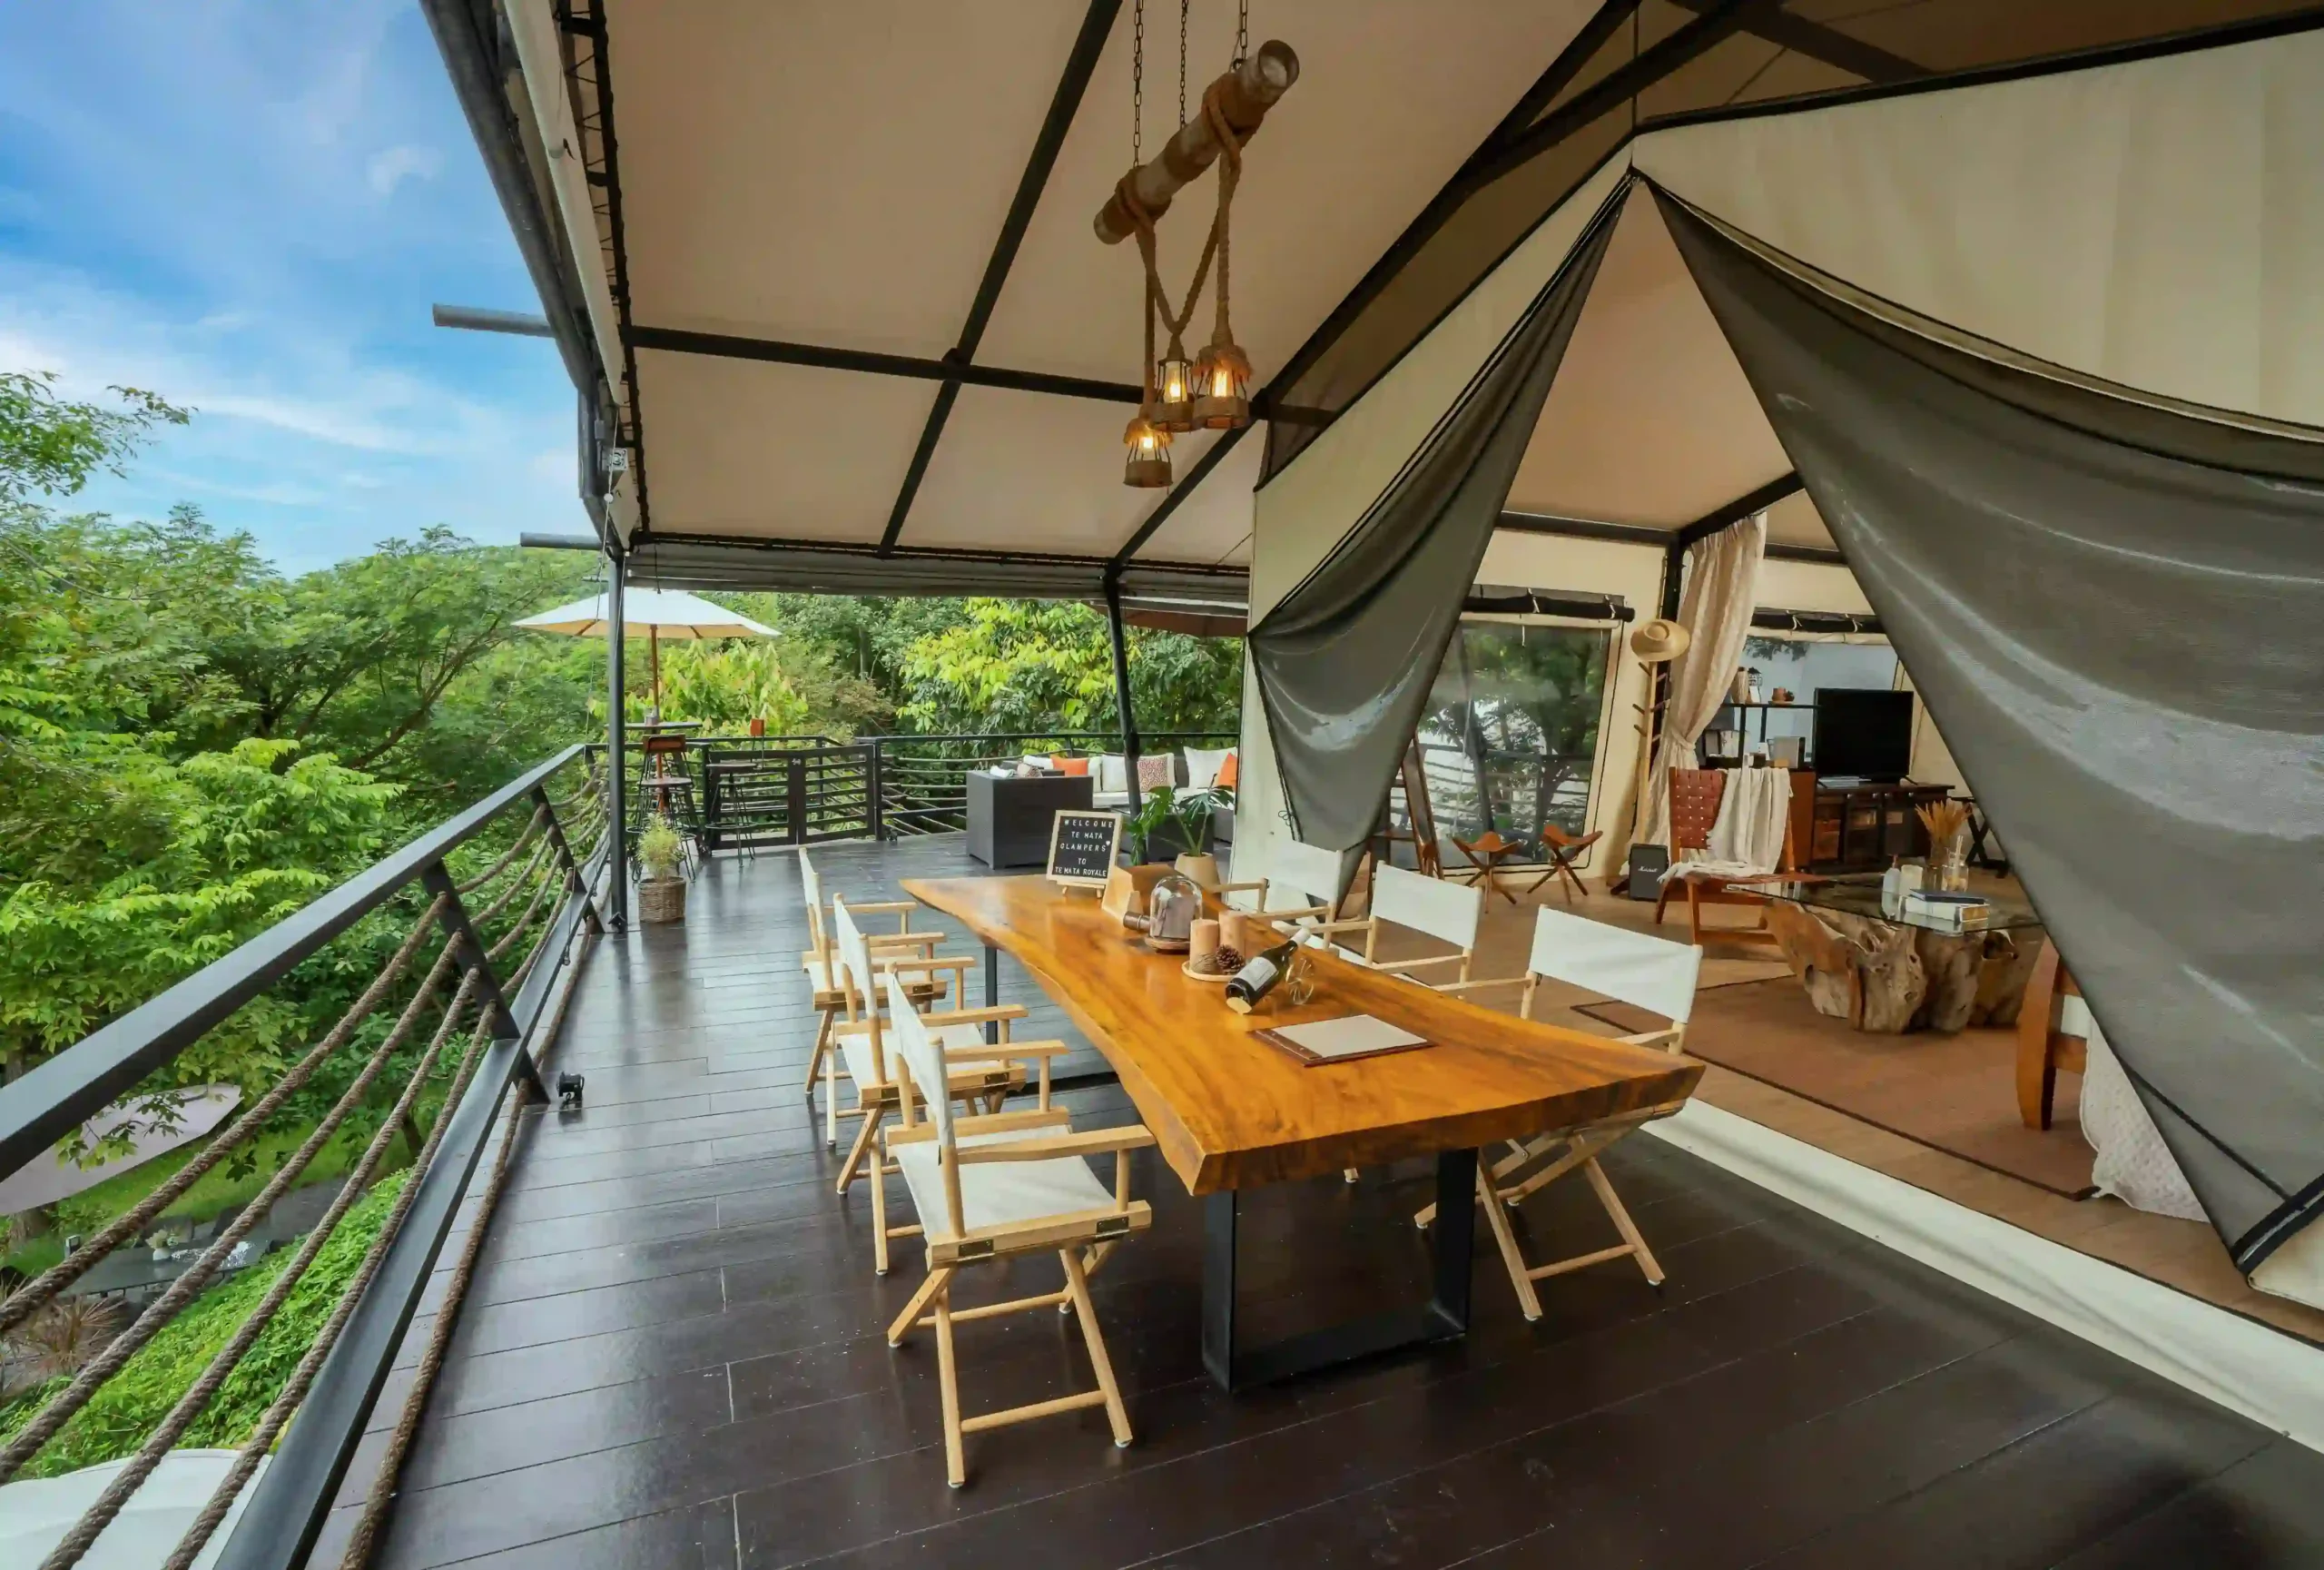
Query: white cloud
x,y
392,166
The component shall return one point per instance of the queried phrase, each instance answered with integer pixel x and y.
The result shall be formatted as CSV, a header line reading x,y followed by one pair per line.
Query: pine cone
x,y
1226,962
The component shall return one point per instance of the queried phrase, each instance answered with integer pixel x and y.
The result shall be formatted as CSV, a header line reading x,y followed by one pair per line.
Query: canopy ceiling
x,y
835,262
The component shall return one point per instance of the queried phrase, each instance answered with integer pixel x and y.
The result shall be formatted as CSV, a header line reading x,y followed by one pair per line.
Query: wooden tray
x,y
1219,979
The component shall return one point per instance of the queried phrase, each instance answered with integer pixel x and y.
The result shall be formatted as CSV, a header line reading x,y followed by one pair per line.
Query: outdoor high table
x,y
1230,1112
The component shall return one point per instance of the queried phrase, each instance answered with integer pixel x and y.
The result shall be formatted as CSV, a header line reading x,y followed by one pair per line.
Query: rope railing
x,y
387,1065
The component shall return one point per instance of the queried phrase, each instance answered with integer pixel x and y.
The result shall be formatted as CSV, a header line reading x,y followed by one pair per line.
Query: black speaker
x,y
1648,863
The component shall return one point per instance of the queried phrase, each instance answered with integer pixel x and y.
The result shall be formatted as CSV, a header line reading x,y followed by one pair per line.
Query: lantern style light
x,y
1222,387
1148,464
1174,392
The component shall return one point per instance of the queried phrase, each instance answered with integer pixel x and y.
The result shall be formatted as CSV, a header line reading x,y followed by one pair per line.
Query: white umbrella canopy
x,y
658,613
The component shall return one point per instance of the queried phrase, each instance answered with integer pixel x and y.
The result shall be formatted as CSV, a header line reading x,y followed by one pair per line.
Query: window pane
x,y
1800,666
1512,730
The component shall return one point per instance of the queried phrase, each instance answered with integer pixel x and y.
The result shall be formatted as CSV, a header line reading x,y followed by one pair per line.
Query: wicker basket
x,y
661,898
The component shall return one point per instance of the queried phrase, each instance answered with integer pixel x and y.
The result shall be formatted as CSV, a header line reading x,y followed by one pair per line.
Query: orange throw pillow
x,y
1072,766
1225,780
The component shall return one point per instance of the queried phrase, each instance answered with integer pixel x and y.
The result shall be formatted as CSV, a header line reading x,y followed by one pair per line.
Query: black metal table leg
x,y
1444,1315
991,993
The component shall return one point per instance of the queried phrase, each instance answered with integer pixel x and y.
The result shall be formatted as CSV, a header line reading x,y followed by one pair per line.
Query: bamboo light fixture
x,y
1213,391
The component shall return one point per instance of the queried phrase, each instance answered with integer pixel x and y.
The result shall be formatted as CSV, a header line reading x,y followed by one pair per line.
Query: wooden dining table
x,y
1231,1112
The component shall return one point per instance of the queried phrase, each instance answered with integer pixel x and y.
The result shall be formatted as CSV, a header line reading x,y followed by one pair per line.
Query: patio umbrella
x,y
658,613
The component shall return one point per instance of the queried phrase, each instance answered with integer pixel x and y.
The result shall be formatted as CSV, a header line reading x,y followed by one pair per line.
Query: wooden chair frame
x,y
884,1093
819,960
2046,1040
1532,1165
1370,926
1079,1240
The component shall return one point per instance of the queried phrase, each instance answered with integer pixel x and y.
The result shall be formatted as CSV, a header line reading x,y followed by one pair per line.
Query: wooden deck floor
x,y
671,1355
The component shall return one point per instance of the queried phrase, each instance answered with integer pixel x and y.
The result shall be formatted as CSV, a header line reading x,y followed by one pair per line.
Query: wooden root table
x,y
1891,975
1230,1112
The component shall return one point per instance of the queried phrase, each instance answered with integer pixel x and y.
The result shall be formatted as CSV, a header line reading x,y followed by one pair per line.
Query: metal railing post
x,y
616,748
795,796
574,879
871,786
469,950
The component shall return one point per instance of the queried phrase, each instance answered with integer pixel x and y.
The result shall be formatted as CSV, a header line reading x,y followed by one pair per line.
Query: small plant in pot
x,y
1170,821
661,892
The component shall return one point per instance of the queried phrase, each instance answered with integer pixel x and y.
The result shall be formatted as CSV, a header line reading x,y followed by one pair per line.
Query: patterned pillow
x,y
1155,771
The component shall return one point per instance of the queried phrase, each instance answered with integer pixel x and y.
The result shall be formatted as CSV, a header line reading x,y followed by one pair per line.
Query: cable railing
x,y
266,1341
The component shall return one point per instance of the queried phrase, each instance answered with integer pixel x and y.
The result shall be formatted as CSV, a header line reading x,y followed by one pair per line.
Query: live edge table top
x,y
1230,1111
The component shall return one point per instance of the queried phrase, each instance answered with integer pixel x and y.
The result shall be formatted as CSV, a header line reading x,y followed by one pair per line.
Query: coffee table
x,y
1902,972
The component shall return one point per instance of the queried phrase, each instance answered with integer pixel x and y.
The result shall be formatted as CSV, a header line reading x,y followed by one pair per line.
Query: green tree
x,y
1037,665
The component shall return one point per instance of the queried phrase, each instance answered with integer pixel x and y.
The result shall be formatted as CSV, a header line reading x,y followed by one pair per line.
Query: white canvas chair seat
x,y
996,1194
1646,973
994,1188
867,980
855,1052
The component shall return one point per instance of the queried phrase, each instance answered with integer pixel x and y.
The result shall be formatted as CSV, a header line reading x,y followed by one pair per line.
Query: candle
x,y
1202,944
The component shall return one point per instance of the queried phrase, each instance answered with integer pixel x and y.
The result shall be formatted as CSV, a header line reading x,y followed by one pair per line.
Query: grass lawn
x,y
129,1405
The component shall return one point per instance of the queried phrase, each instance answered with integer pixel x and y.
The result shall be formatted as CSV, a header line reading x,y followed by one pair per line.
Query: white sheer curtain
x,y
1722,588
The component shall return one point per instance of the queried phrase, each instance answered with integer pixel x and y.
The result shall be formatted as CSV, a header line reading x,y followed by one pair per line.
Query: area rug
x,y
1954,1093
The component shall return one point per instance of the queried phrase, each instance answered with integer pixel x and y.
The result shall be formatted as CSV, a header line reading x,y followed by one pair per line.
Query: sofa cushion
x,y
1203,765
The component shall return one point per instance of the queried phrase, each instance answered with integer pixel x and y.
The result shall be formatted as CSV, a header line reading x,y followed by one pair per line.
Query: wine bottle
x,y
1251,984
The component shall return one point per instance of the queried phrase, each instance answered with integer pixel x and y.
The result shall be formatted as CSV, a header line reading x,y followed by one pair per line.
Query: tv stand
x,y
1857,826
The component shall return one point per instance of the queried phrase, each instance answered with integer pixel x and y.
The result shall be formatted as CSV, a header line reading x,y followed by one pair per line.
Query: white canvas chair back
x,y
852,960
1447,911
1312,874
819,938
1644,971
923,1060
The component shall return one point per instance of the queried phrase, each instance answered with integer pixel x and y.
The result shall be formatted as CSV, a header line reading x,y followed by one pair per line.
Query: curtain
x,y
1344,661
2115,610
1722,589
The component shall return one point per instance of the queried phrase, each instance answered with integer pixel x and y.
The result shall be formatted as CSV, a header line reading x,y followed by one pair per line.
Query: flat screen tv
x,y
1863,733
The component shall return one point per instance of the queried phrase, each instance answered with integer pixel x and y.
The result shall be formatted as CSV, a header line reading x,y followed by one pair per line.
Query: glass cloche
x,y
1171,907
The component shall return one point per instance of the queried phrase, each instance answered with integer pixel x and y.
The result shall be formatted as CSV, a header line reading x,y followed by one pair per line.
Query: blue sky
x,y
248,208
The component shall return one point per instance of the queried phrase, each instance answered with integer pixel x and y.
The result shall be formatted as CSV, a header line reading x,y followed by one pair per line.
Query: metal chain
x,y
1138,85
1242,34
1183,5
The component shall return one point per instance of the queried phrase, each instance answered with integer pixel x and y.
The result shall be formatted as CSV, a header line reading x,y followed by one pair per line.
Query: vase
x,y
1199,867
1948,864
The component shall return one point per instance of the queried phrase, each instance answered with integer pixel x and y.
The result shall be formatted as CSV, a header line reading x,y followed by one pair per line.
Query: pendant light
x,y
1176,382
1147,467
1222,384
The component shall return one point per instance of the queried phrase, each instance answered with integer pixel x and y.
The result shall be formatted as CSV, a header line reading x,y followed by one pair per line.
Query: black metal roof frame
x,y
1530,128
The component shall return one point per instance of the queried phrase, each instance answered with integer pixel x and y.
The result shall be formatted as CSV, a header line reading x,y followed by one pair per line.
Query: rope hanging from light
x,y
1213,391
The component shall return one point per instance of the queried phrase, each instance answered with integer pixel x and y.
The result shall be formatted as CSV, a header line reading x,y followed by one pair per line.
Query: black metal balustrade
x,y
751,792
485,914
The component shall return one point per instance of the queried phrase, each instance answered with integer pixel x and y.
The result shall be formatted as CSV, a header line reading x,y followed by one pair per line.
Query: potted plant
x,y
661,892
1174,823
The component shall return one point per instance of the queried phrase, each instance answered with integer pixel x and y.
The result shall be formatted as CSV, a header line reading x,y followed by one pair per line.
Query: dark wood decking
x,y
671,1355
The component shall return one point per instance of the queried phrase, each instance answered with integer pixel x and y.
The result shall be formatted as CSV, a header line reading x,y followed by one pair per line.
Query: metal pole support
x,y
1121,687
617,752
573,881
468,949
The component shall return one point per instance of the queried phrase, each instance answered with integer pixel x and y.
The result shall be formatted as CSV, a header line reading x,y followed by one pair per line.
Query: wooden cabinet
x,y
1857,828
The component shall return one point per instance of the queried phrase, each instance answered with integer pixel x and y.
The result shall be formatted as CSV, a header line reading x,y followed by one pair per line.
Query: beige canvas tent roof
x,y
826,278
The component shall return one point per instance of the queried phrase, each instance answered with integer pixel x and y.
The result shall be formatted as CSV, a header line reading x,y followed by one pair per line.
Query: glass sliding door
x,y
1510,732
